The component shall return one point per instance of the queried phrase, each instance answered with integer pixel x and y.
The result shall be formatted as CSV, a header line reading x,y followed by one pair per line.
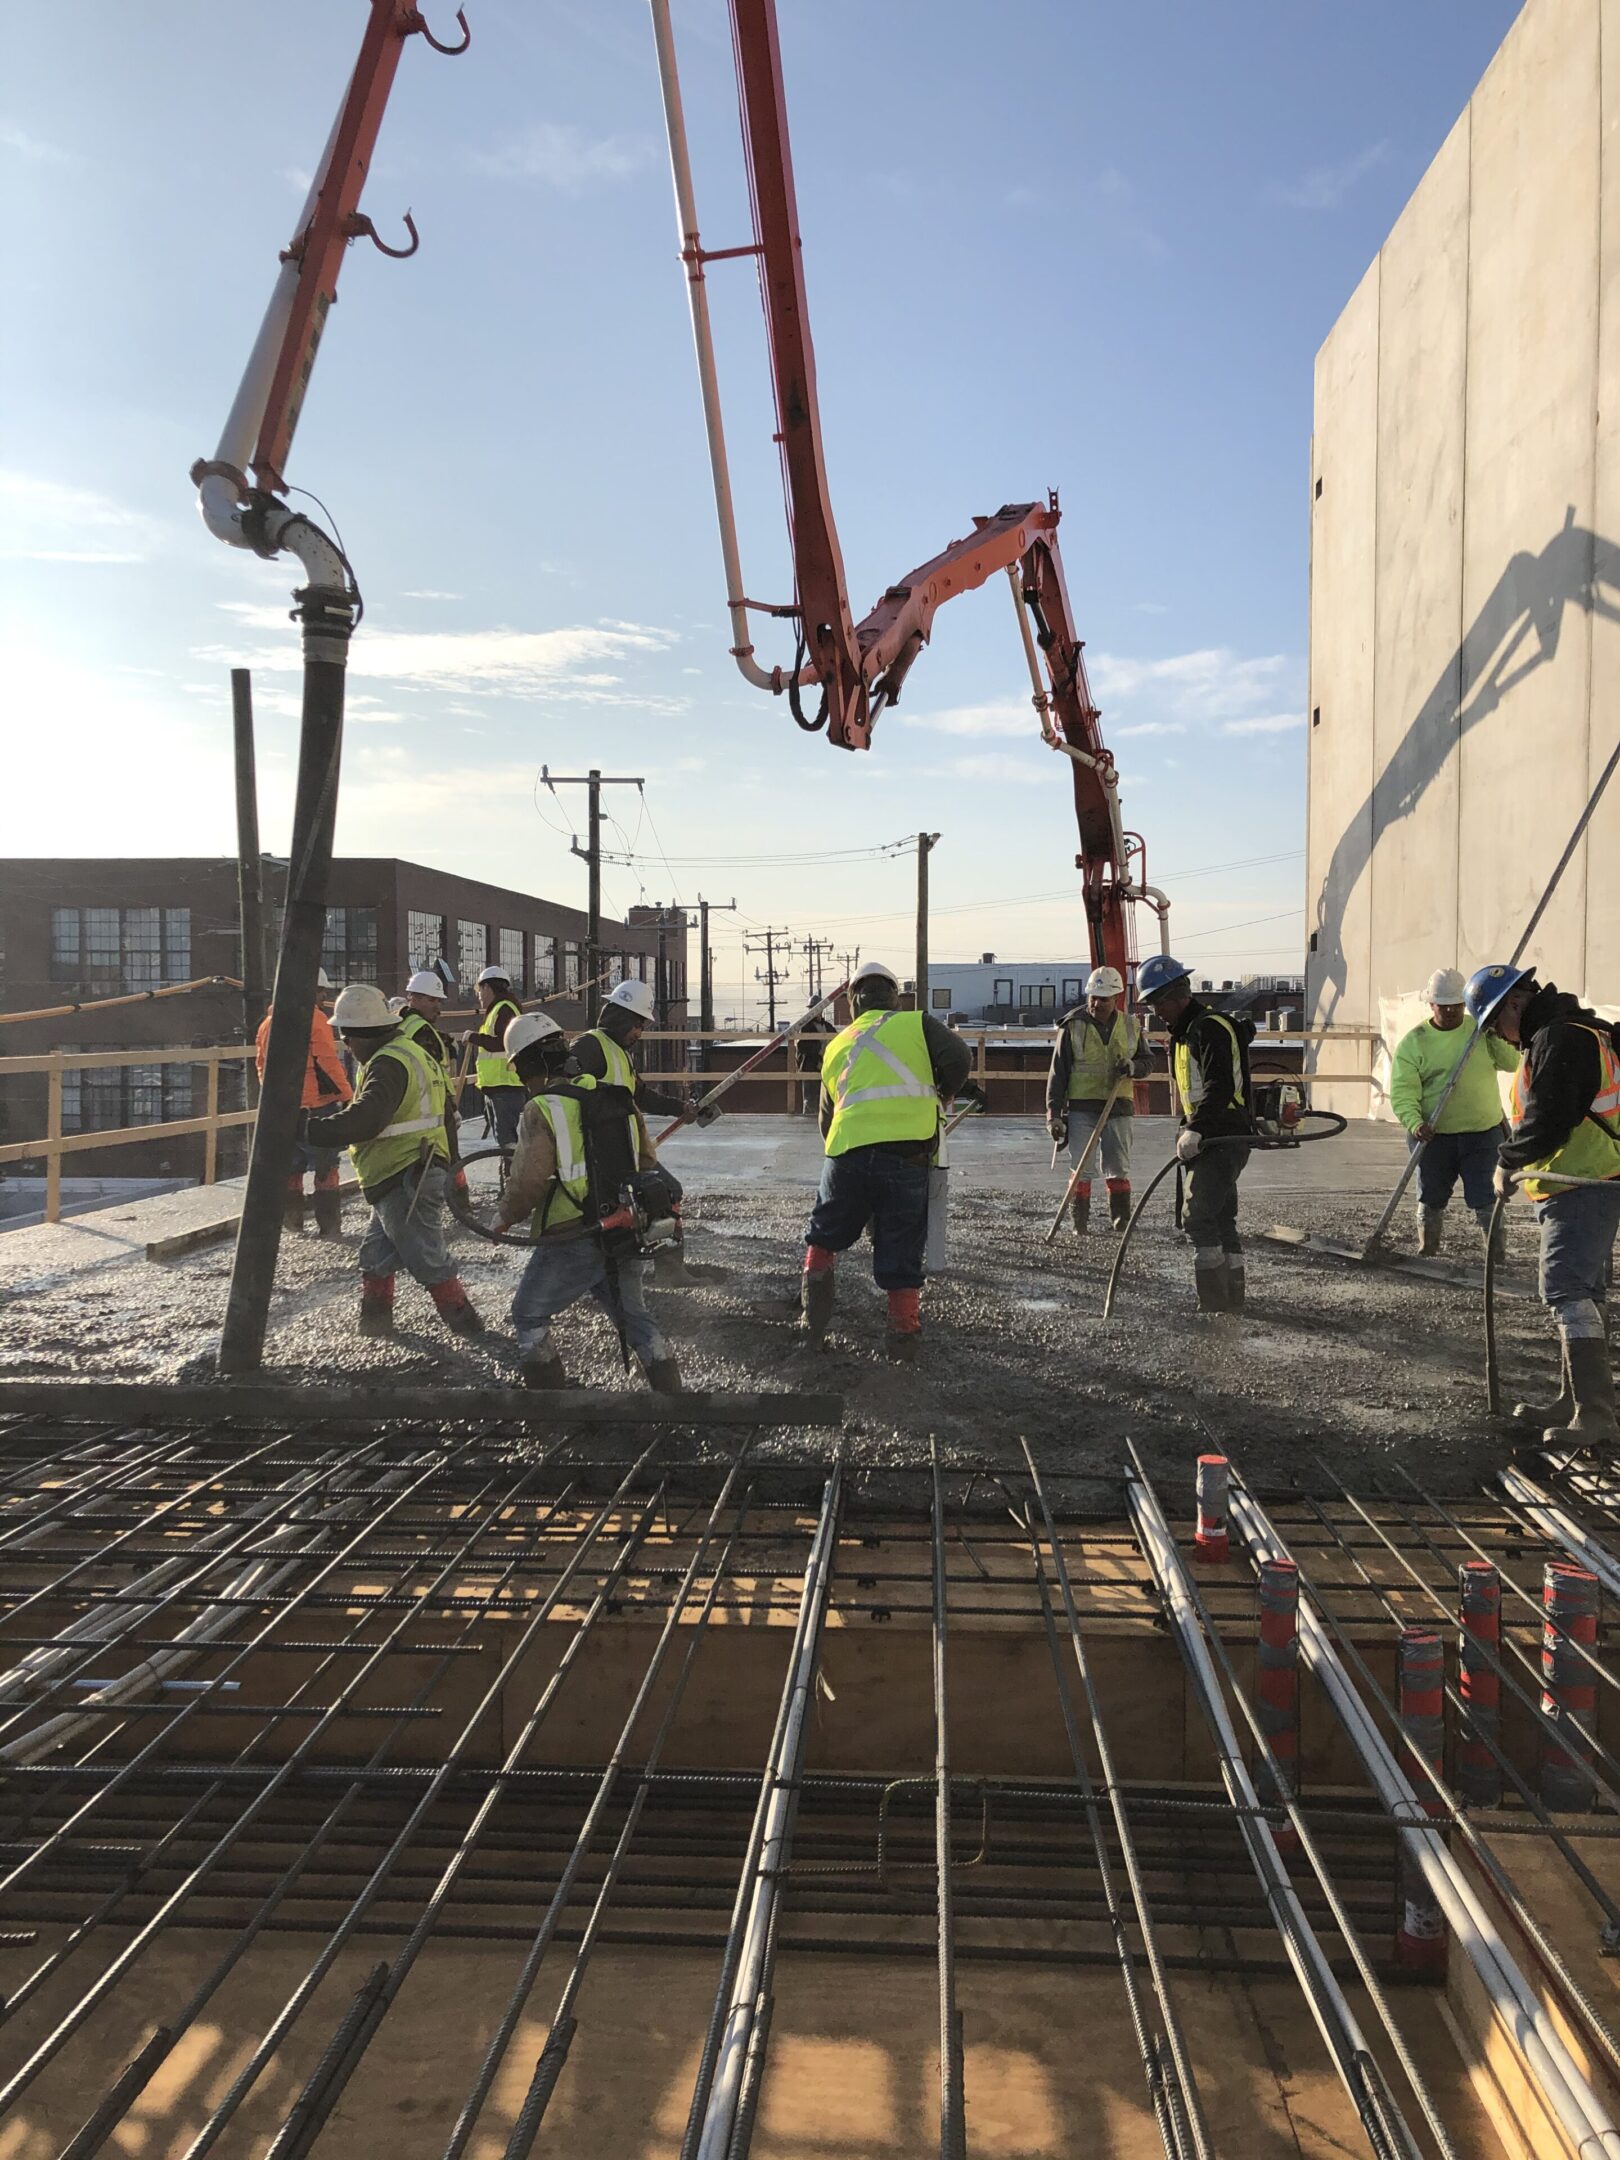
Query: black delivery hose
x,y
461,1206
1329,1118
1493,1377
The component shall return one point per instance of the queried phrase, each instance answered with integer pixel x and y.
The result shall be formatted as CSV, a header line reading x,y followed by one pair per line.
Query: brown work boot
x,y
1234,1282
1119,1206
1430,1220
376,1305
1211,1285
1080,1213
543,1370
456,1309
328,1211
664,1376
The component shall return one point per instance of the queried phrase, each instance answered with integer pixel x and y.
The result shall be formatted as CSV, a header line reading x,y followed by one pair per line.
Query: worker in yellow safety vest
x,y
1100,1046
1564,1117
1209,1076
395,1133
882,1081
603,1052
496,1079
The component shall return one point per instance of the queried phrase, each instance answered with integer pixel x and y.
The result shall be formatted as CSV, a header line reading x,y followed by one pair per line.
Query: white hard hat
x,y
634,996
1444,987
1105,982
874,971
396,1004
527,1030
496,974
424,983
361,1005
323,981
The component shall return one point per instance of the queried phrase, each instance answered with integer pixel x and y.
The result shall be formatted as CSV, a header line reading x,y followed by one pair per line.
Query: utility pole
x,y
926,844
813,948
770,975
591,854
706,976
249,862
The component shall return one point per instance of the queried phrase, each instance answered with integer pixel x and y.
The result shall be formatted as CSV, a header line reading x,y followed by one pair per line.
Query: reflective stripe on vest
x,y
1190,1081
1589,1152
617,1070
565,1202
1094,1052
881,1080
494,1070
417,1026
418,1122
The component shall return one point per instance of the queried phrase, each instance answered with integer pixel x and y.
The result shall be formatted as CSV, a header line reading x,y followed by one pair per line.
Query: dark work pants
x,y
875,1185
1470,1156
1211,1214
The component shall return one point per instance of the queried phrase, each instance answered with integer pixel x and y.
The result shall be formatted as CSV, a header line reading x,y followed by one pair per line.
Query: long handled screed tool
x,y
1372,1253
1083,1166
783,1035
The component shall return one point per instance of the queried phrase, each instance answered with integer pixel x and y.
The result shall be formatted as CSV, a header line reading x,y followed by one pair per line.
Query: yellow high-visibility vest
x,y
881,1080
1589,1151
1095,1051
617,1070
494,1070
419,1119
1190,1081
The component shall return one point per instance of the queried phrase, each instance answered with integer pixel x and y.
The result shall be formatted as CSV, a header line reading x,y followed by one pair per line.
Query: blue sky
x,y
1047,244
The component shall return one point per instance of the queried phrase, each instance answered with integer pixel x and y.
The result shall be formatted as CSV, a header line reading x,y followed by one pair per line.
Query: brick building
x,y
78,930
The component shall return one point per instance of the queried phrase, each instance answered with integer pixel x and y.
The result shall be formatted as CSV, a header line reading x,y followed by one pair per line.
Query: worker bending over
x,y
1564,1119
882,1080
1209,1073
579,1146
497,1082
1099,1045
394,1131
603,1053
1461,1141
326,1085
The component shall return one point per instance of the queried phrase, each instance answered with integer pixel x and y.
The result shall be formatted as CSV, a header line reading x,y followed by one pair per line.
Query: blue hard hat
x,y
1488,986
1157,973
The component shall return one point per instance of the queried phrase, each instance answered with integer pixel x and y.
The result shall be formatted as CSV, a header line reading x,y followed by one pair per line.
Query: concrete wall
x,y
1465,548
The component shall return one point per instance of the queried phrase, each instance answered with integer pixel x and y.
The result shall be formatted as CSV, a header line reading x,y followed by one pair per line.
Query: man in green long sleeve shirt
x,y
1460,1140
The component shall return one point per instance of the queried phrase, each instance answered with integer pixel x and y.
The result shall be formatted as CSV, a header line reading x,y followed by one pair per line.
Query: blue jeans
x,y
1115,1145
560,1274
873,1185
407,1230
1470,1156
318,1161
505,1108
1578,1229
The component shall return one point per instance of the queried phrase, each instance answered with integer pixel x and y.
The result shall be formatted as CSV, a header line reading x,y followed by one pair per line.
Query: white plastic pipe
x,y
742,648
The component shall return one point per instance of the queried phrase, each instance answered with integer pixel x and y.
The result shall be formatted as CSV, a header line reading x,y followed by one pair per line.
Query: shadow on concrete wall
x,y
1577,568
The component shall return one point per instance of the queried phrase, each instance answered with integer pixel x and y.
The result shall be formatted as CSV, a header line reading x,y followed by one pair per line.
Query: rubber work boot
x,y
904,1339
1591,1382
1210,1281
1119,1205
1080,1210
664,1375
543,1369
376,1304
1556,1414
817,1291
456,1309
1234,1282
292,1205
1429,1222
328,1211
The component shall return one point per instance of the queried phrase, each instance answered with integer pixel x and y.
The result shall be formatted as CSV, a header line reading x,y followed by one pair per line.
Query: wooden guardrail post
x,y
53,1139
211,1110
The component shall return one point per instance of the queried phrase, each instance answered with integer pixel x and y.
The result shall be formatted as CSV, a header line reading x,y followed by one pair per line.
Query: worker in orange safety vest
x,y
326,1087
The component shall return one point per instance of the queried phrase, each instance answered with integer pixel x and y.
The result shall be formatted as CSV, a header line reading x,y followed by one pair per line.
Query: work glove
x,y
708,1113
689,1112
1423,1133
1503,1182
1189,1145
1058,1127
1118,1069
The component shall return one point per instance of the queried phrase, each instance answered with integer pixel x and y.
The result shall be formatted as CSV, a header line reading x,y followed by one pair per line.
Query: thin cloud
x,y
1003,716
1148,727
1114,205
1212,683
1325,187
50,521
564,157
33,149
428,593
1264,724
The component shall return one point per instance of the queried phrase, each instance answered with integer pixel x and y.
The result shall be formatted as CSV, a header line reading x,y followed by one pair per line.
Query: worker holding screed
x,y
1209,1072
1461,1140
882,1081
1100,1050
1564,1144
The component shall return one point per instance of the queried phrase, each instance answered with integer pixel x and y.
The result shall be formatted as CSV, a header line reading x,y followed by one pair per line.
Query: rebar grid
x,y
311,1686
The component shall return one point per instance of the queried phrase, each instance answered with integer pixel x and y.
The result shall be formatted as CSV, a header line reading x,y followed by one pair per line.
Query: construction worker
x,y
1462,1140
424,1007
497,1082
564,1179
1099,1045
1209,1072
882,1080
325,1084
394,1131
603,1052
1564,1120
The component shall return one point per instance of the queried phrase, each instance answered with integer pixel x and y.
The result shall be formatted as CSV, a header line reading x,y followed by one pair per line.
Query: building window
x,y
1073,989
509,951
106,951
349,946
1037,994
545,965
1003,990
424,939
472,951
106,1098
940,1000
570,965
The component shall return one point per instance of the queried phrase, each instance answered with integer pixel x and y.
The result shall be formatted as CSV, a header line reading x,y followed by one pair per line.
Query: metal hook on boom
x,y
359,227
415,20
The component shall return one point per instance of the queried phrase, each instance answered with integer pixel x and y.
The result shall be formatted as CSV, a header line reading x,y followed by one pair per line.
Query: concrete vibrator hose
x,y
1262,1143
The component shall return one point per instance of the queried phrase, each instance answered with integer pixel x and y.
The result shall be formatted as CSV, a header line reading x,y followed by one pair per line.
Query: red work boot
x,y
456,1309
376,1304
328,1205
292,1204
1119,1202
905,1326
817,1291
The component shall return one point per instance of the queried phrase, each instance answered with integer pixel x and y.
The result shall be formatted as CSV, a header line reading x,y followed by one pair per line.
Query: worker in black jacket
x,y
603,1053
1209,1073
1565,1124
